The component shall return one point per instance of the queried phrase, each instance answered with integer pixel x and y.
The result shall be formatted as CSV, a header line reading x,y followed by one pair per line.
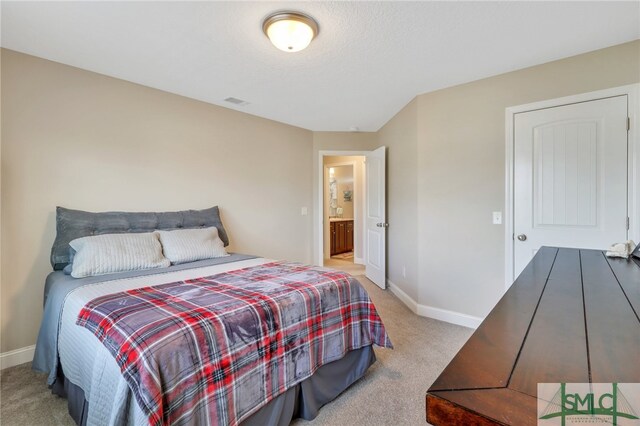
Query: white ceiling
x,y
369,60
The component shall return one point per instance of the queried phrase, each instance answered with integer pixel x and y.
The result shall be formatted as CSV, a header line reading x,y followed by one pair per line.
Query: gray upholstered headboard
x,y
72,224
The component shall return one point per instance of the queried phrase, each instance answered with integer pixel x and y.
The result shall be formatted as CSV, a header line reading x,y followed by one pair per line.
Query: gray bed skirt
x,y
304,400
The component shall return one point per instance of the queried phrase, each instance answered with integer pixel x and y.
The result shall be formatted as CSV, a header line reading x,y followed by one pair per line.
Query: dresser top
x,y
570,317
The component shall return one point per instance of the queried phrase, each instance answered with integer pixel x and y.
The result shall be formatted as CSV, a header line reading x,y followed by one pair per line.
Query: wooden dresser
x,y
570,317
341,236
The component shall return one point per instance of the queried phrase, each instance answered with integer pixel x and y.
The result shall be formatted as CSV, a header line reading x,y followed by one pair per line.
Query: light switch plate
x,y
303,211
497,218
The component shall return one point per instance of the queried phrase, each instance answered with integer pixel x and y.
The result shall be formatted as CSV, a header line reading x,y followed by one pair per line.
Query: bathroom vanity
x,y
341,235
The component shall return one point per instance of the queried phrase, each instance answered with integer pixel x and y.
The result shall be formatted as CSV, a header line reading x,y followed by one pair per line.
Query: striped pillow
x,y
189,245
110,253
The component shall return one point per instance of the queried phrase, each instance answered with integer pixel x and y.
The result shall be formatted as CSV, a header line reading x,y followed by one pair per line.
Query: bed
x,y
286,338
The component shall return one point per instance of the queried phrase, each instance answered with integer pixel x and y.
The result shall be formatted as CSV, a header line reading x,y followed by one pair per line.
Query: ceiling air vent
x,y
237,101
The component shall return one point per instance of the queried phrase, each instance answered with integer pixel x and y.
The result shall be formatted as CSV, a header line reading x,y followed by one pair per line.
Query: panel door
x,y
376,217
570,177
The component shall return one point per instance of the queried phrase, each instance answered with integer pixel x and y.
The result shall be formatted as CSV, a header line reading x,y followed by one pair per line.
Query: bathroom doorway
x,y
343,209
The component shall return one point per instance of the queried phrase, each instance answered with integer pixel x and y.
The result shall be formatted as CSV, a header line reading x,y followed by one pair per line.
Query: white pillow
x,y
109,253
189,245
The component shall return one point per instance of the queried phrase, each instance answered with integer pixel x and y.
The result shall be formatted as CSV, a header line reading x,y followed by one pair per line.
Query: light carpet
x,y
391,393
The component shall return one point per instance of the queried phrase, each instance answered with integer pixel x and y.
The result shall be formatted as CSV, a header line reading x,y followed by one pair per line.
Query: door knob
x,y
522,237
382,225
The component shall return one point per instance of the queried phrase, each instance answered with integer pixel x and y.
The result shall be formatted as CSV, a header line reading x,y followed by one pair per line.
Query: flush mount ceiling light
x,y
290,31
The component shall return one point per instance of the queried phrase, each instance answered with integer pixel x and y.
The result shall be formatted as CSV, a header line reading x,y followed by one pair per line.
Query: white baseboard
x,y
358,260
16,357
404,297
435,313
449,316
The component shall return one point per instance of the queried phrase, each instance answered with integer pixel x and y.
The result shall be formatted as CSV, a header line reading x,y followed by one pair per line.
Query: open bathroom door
x,y
376,217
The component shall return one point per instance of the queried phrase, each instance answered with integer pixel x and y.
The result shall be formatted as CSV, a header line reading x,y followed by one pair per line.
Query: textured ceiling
x,y
369,60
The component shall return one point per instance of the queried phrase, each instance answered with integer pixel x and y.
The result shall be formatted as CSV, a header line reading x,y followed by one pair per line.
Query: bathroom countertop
x,y
339,219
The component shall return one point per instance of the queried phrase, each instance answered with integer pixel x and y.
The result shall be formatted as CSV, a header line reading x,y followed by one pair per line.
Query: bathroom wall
x,y
344,179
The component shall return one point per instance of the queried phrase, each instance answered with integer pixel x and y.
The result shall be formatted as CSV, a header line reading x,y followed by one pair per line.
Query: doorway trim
x,y
632,91
320,200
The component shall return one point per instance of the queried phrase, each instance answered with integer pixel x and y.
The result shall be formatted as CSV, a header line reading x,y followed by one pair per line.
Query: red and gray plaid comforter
x,y
214,350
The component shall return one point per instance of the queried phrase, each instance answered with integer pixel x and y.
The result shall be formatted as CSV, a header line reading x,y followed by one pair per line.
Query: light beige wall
x,y
357,205
461,170
83,140
333,141
344,141
399,135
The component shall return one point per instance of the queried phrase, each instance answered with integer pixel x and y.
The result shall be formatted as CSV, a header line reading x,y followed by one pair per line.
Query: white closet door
x,y
570,175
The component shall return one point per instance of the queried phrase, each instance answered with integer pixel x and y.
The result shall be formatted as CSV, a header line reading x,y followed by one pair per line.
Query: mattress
x,y
81,363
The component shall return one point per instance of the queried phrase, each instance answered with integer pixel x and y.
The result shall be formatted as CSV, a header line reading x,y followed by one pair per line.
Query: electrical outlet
x,y
304,211
497,218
